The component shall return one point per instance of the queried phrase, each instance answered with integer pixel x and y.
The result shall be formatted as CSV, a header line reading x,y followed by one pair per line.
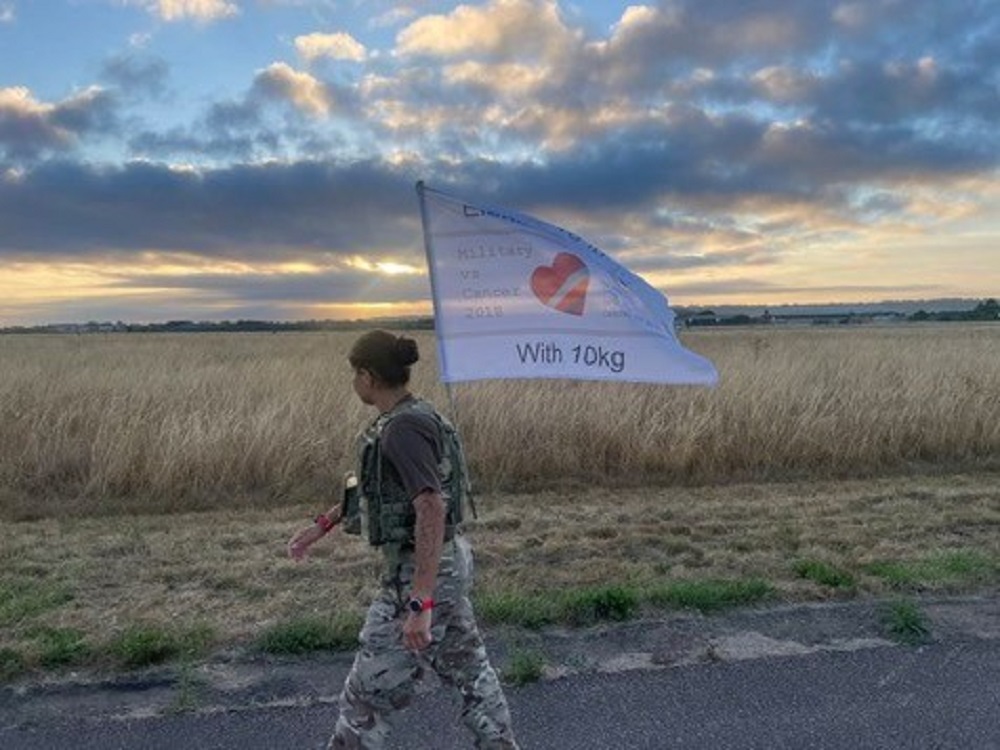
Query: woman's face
x,y
364,385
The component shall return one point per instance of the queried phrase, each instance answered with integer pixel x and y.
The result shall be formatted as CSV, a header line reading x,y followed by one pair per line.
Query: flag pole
x,y
439,320
438,316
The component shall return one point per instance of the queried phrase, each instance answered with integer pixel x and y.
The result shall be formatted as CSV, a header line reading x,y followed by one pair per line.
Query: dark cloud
x,y
715,163
714,33
137,75
23,135
230,116
254,211
871,91
723,35
31,129
230,131
94,112
872,64
247,128
178,142
795,102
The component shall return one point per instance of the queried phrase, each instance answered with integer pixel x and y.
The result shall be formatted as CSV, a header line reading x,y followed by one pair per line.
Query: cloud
x,y
685,174
393,17
282,112
92,110
852,15
689,135
501,29
902,89
341,283
653,41
263,211
757,98
30,128
279,81
137,75
7,13
203,11
516,81
506,79
26,125
338,46
202,144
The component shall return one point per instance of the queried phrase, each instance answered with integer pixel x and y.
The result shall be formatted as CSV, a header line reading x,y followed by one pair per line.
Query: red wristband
x,y
324,522
417,605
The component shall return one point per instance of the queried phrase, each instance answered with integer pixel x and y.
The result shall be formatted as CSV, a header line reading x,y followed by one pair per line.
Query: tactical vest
x,y
389,509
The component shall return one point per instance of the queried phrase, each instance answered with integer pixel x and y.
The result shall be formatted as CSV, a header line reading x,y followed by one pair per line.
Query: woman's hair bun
x,y
406,351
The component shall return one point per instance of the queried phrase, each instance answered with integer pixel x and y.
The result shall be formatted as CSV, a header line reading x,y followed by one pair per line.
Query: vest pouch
x,y
351,505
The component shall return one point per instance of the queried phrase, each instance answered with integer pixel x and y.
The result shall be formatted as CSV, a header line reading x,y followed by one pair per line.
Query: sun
x,y
397,269
385,267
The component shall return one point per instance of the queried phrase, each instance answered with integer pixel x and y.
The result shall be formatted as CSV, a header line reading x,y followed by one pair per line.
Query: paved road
x,y
939,696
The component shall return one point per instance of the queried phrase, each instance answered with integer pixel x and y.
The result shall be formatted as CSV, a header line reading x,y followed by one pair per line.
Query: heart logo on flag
x,y
563,285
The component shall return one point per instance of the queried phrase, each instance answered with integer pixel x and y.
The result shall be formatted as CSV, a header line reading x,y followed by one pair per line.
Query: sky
x,y
256,159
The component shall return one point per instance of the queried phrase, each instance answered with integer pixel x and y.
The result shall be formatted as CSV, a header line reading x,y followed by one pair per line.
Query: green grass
x,y
590,605
824,574
905,623
62,647
146,645
12,664
189,689
311,634
583,606
525,666
960,567
510,608
710,596
21,600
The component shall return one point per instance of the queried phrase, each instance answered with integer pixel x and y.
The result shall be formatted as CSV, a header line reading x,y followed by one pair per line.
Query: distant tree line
x,y
270,326
987,310
228,326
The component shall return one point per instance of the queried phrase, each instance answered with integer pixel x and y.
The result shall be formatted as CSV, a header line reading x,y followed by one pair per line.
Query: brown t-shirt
x,y
412,444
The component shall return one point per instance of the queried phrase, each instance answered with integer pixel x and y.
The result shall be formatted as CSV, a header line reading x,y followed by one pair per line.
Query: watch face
x,y
415,605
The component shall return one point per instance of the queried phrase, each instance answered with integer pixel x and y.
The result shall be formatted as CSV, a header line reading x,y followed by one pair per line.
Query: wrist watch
x,y
417,605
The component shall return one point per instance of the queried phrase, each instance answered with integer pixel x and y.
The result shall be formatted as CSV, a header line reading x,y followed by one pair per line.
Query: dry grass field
x,y
95,424
148,483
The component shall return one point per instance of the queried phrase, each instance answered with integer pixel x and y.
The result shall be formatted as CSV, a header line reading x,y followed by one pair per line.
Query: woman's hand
x,y
417,630
303,540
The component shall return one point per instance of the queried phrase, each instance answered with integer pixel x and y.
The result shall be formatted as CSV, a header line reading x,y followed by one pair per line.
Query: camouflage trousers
x,y
384,676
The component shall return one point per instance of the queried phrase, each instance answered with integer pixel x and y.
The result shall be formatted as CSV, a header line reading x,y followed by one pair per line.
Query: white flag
x,y
515,297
